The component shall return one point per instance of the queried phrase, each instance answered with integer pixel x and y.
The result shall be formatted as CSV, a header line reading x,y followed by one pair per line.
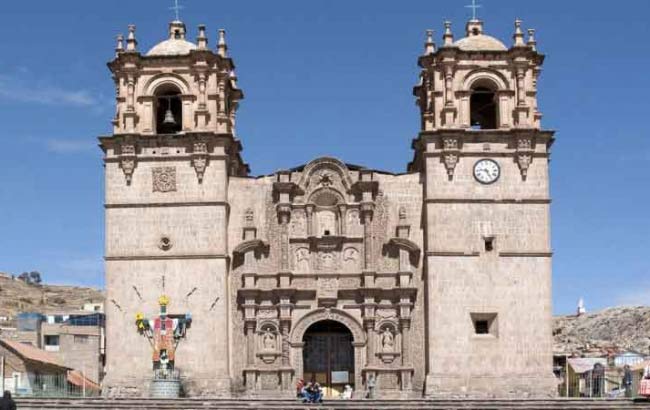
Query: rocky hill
x,y
17,296
610,330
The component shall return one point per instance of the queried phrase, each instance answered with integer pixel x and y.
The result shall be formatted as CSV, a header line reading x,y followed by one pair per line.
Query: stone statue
x,y
387,340
268,340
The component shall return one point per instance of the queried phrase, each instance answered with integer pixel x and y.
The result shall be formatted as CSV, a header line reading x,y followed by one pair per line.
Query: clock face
x,y
486,171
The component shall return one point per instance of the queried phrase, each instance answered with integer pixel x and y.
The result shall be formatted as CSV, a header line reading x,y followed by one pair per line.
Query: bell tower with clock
x,y
168,164
483,156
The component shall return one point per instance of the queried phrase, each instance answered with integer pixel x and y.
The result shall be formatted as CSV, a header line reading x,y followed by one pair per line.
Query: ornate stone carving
x,y
301,258
127,161
524,155
325,178
354,227
268,343
298,226
327,288
249,217
351,259
387,340
450,154
200,159
388,348
451,160
164,179
327,261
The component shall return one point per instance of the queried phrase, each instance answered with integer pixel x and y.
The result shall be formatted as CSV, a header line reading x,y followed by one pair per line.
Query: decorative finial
x,y
131,42
177,8
430,45
519,34
532,43
119,48
474,8
222,48
202,40
448,37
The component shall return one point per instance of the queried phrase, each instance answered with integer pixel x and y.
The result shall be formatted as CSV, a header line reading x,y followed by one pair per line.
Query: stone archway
x,y
335,315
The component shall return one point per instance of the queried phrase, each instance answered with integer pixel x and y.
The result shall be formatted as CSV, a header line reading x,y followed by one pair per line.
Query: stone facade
x,y
442,275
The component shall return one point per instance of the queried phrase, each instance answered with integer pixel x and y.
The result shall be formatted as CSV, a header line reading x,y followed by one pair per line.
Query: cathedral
x,y
434,282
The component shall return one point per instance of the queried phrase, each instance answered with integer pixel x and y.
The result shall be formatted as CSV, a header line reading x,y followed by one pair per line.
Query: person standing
x,y
627,380
7,403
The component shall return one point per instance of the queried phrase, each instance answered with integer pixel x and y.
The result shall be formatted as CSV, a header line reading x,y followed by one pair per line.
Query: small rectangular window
x,y
51,340
484,324
489,244
481,327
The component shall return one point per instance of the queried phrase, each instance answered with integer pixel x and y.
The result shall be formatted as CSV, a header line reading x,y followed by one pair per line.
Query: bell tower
x,y
484,157
167,168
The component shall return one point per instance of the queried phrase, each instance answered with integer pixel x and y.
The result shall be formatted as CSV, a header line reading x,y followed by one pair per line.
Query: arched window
x,y
484,108
169,110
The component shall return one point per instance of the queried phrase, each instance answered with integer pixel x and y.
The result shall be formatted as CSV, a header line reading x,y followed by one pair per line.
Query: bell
x,y
169,118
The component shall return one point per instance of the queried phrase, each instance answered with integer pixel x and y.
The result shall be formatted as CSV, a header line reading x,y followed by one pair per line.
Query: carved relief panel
x,y
298,226
353,223
351,260
302,260
164,179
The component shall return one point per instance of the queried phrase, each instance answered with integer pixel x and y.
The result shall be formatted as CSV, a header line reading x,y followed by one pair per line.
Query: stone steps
x,y
230,404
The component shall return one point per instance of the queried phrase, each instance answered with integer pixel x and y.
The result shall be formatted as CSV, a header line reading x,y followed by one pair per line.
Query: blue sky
x,y
329,77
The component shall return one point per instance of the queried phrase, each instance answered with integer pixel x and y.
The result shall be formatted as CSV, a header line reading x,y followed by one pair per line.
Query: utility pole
x,y
2,373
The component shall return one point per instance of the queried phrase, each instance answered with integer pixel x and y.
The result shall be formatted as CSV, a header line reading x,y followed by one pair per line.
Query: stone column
x,y
369,324
284,213
342,220
250,344
366,212
521,89
309,212
405,325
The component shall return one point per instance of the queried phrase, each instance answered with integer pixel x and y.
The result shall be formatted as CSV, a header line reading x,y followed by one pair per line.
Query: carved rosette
x,y
450,154
200,159
127,161
164,179
524,155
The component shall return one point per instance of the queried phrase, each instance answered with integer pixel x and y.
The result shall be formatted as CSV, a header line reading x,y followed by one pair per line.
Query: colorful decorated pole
x,y
164,333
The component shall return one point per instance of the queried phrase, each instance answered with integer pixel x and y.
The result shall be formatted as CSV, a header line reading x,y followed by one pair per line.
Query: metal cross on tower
x,y
177,8
474,8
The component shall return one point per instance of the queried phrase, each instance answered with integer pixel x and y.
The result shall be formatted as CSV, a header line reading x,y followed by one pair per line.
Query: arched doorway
x,y
328,356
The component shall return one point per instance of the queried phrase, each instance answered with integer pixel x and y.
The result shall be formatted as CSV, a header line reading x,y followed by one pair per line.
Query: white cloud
x,y
15,89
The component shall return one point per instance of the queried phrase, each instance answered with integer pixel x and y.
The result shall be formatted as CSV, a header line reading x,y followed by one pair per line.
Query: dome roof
x,y
172,47
480,42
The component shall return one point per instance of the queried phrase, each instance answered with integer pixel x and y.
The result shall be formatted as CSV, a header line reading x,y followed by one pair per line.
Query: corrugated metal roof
x,y
585,364
32,353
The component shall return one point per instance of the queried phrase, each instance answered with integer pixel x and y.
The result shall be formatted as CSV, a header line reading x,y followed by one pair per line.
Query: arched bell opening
x,y
484,107
169,110
328,356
